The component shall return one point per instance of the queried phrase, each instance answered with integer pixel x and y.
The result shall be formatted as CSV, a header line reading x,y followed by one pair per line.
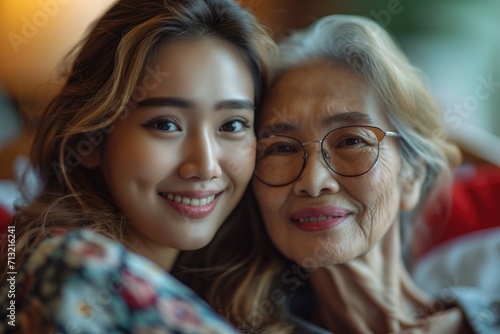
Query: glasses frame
x,y
379,133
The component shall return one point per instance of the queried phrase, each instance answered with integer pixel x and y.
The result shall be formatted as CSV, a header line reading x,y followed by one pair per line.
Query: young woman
x,y
150,143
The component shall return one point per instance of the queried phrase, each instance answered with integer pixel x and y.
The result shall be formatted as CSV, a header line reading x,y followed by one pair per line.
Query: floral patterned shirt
x,y
83,282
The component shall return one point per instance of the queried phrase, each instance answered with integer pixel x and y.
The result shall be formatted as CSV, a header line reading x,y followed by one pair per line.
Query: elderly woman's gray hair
x,y
368,49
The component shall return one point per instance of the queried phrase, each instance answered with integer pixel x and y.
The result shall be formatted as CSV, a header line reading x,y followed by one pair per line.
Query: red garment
x,y
475,205
4,220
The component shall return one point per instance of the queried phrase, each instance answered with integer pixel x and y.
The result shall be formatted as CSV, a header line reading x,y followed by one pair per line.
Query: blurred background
x,y
454,42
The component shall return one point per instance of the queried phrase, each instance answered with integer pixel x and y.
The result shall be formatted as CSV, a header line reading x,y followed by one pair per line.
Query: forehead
x,y
322,95
188,65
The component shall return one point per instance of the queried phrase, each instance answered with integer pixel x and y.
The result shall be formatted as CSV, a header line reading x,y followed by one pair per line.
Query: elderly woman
x,y
351,147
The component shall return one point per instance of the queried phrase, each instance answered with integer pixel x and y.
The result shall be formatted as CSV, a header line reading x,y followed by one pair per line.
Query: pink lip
x,y
334,216
194,212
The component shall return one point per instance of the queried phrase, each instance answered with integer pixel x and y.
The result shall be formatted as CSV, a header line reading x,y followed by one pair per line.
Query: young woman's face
x,y
323,218
179,160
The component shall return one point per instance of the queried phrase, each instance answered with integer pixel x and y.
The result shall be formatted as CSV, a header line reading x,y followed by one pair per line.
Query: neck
x,y
370,294
162,255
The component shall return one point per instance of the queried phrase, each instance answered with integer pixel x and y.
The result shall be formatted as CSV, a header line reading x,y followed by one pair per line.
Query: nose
x,y
316,178
200,158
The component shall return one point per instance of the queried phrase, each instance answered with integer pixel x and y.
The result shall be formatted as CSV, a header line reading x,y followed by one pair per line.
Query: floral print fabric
x,y
82,282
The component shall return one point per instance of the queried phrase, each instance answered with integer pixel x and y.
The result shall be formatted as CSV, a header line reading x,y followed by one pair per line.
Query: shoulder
x,y
96,284
481,310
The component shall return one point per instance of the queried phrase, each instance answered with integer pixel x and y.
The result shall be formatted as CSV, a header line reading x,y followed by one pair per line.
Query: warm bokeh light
x,y
36,34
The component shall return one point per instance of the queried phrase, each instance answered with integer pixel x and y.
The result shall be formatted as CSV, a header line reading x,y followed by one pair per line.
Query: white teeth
x,y
314,219
189,201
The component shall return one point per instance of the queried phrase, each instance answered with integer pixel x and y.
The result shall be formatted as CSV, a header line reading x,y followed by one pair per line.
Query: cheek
x,y
270,201
266,199
146,163
381,198
239,161
137,161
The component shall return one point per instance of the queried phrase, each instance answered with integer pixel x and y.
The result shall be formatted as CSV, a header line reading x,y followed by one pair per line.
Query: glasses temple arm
x,y
392,134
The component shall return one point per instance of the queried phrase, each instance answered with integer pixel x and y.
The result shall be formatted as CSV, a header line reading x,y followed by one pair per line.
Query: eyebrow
x,y
350,118
342,119
178,102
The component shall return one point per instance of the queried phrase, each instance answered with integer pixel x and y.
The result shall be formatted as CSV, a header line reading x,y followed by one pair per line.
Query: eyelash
x,y
243,121
152,123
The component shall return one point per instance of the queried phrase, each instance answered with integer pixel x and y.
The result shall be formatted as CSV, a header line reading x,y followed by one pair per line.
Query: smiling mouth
x,y
187,200
316,219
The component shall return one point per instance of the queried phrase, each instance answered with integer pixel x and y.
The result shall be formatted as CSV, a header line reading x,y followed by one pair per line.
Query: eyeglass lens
x,y
348,151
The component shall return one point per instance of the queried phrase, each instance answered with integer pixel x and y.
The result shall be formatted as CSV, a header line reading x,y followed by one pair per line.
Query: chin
x,y
195,244
314,259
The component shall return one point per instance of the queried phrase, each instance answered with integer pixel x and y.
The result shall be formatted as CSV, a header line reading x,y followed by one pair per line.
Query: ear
x,y
93,158
411,190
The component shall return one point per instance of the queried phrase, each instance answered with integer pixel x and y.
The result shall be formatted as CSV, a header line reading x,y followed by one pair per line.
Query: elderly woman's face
x,y
324,218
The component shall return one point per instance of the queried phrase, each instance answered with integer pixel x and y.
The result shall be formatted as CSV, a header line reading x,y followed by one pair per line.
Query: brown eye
x,y
281,148
235,125
349,142
163,124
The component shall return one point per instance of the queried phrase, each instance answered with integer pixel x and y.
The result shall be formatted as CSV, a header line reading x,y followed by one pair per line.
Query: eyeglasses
x,y
348,151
